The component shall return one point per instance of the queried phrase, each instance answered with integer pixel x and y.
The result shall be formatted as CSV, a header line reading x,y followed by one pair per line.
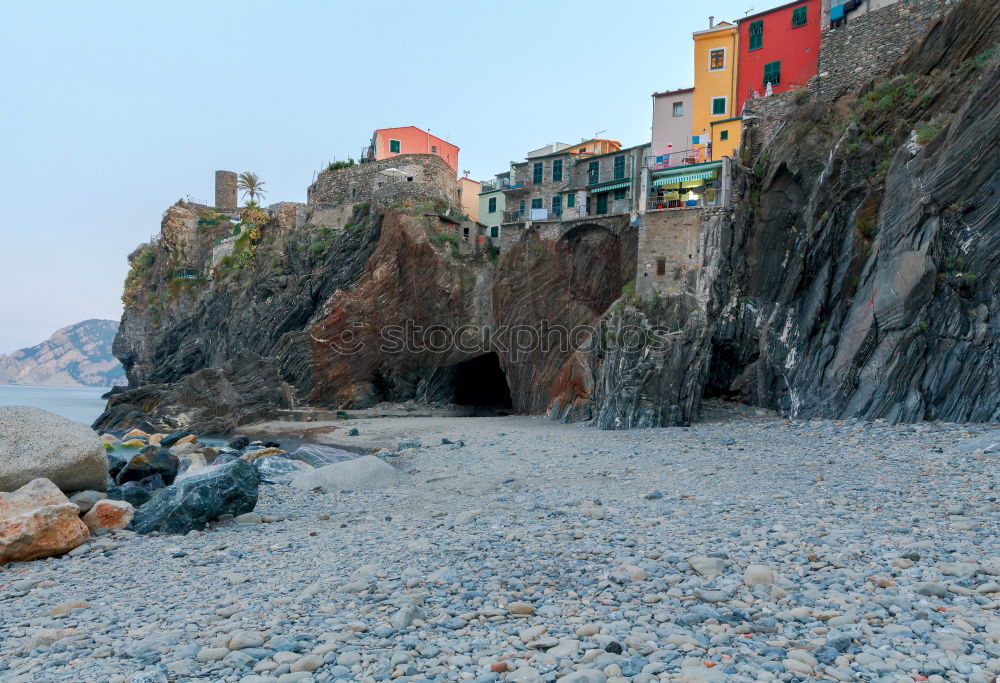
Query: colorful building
x,y
715,122
468,196
492,203
390,142
778,49
671,121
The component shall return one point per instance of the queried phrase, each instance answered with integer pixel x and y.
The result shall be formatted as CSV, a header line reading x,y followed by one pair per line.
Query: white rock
x,y
363,473
36,444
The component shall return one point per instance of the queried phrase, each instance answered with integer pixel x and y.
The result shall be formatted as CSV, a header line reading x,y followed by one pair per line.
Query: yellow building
x,y
468,196
714,117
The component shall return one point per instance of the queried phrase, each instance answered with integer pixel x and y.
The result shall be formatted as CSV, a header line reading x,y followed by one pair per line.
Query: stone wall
x,y
673,238
764,117
867,45
225,190
426,175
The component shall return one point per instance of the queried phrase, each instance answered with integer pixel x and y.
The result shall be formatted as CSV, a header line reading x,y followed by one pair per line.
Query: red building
x,y
390,142
779,46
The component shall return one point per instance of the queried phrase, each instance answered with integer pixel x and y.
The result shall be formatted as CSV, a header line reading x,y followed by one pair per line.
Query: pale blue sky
x,y
111,111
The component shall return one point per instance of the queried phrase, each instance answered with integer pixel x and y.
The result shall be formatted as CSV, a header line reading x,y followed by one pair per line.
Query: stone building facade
x,y
669,247
225,190
406,176
868,43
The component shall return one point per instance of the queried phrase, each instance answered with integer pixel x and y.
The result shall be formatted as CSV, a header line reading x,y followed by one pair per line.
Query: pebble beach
x,y
744,548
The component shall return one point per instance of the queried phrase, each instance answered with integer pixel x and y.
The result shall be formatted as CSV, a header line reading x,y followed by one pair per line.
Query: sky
x,y
110,111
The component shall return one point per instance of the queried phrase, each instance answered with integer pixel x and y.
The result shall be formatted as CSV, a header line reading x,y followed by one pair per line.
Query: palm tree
x,y
250,184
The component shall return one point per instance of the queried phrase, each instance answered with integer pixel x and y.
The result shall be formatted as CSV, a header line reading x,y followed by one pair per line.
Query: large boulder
x,y
150,461
37,444
278,470
190,503
37,520
367,472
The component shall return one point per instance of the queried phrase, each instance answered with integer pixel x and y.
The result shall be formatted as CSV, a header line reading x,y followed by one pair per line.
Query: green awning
x,y
613,186
684,178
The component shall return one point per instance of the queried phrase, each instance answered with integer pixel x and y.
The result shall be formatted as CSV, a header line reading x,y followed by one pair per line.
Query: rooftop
x,y
679,91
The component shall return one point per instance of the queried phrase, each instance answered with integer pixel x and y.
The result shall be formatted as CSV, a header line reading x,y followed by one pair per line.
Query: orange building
x,y
390,142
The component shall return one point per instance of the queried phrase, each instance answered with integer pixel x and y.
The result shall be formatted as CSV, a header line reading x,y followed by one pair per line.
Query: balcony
x,y
662,162
493,185
607,175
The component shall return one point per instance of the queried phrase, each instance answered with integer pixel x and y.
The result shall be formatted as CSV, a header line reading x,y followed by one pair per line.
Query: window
x,y
557,170
495,231
661,267
434,149
619,167
772,73
520,207
678,109
719,107
394,146
536,203
593,172
536,176
570,200
757,35
493,205
724,135
799,17
557,205
620,193
717,59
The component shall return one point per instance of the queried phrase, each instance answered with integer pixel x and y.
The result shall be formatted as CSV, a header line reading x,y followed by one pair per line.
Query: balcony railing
x,y
491,185
705,200
606,175
661,162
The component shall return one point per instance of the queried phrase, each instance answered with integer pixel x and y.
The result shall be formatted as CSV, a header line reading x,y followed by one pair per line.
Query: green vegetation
x,y
867,230
317,248
932,128
251,185
337,165
141,261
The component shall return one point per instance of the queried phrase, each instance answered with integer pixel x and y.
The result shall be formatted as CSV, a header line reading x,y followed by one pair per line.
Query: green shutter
x,y
536,203
757,34
557,170
724,135
537,173
394,146
799,16
718,106
619,167
557,205
493,204
593,172
570,200
772,73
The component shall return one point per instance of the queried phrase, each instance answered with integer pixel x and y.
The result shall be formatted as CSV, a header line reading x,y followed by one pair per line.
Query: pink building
x,y
390,142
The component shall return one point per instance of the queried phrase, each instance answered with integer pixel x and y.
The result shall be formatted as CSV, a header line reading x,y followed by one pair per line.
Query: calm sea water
x,y
82,404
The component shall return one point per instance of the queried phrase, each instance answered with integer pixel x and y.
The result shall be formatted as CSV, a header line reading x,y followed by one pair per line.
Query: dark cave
x,y
481,382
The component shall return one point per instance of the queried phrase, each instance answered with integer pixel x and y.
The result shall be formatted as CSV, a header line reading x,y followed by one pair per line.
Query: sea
x,y
83,404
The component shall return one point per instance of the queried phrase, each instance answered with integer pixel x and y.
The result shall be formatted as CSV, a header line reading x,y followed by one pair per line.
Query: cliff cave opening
x,y
481,382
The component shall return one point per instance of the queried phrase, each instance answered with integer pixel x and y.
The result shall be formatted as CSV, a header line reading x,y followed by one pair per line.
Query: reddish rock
x,y
498,667
37,520
109,514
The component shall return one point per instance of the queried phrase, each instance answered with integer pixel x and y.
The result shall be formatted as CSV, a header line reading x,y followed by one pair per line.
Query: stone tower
x,y
225,190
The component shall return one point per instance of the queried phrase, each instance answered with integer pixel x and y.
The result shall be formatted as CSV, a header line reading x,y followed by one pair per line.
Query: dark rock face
x,y
857,276
192,502
210,401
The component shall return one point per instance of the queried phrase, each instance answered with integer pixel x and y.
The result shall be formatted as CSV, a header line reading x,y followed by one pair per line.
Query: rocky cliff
x,y
858,276
854,275
76,356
